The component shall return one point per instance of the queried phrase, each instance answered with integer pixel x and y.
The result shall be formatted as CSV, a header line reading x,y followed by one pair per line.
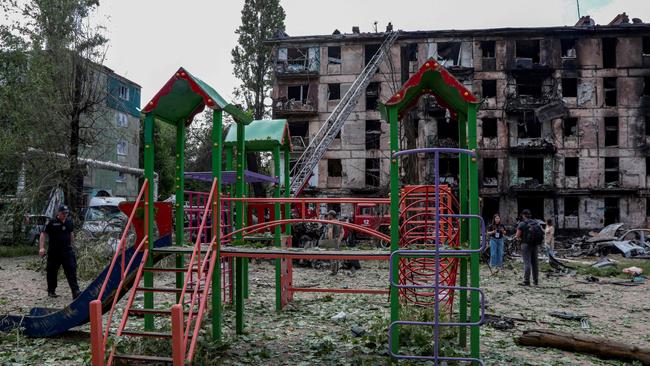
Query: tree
x,y
252,61
63,84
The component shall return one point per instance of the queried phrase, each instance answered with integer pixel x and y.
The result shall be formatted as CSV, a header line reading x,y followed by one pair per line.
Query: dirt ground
x,y
305,334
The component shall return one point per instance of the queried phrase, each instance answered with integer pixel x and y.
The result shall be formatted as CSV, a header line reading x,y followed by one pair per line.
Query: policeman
x,y
60,251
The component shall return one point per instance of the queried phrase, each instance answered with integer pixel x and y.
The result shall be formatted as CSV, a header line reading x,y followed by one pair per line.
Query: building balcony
x,y
291,107
299,142
296,69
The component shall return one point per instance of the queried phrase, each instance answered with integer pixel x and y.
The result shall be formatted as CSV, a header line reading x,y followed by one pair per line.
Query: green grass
x,y
8,251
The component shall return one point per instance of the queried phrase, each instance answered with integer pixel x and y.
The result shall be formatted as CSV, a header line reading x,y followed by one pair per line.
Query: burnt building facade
x,y
564,128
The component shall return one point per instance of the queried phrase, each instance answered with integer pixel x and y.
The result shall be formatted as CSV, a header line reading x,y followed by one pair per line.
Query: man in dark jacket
x,y
528,250
59,231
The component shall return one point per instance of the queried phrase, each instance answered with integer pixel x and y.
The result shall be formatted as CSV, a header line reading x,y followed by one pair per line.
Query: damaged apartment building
x,y
563,130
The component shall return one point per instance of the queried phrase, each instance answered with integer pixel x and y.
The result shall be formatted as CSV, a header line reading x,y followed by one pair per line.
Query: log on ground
x,y
600,347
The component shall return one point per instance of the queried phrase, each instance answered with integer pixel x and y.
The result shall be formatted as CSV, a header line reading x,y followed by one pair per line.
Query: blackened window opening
x,y
570,127
373,134
490,172
528,126
369,51
531,168
489,127
609,86
489,88
372,96
298,92
612,210
334,55
609,53
529,86
333,91
571,166
527,49
611,170
488,49
570,87
571,206
334,167
372,172
568,48
611,131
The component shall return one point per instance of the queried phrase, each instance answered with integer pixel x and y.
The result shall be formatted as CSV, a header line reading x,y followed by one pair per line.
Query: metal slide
x,y
42,322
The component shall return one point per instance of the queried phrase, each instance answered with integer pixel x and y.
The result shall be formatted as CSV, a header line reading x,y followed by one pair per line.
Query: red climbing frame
x,y
418,230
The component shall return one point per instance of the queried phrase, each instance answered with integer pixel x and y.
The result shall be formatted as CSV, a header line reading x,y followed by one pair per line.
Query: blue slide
x,y
45,322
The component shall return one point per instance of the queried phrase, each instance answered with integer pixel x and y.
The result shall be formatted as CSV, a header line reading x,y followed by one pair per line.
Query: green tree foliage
x,y
58,90
251,58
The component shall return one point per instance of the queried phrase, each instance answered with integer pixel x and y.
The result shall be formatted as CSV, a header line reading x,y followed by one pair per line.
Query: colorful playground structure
x,y
436,233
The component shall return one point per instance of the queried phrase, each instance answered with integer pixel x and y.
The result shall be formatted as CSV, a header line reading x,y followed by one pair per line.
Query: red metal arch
x,y
269,224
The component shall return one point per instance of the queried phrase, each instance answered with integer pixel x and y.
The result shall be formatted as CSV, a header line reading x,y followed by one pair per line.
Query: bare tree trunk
x,y
74,178
603,348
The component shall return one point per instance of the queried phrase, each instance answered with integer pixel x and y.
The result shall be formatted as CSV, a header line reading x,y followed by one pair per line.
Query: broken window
x,y
568,48
412,52
298,92
372,172
570,127
612,210
490,172
528,126
647,165
571,206
299,132
609,86
373,134
447,132
488,49
372,96
369,51
647,125
531,169
569,87
333,91
489,88
448,168
529,86
646,86
449,53
646,46
647,206
611,131
334,168
609,53
490,208
334,55
297,59
534,204
489,127
571,167
527,49
611,170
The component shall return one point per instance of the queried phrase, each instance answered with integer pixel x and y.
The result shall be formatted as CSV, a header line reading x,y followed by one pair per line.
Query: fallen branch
x,y
600,347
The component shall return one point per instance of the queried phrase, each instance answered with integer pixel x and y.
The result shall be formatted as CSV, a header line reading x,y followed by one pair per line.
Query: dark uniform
x,y
60,253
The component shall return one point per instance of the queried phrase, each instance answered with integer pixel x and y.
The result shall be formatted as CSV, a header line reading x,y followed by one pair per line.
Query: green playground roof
x,y
262,135
184,96
432,78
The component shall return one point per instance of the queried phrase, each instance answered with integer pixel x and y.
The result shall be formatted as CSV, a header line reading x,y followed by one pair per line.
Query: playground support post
x,y
180,199
278,229
96,336
149,208
239,212
475,237
394,223
217,147
464,227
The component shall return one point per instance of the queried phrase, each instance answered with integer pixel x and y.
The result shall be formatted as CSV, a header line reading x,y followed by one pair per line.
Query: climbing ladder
x,y
185,315
302,170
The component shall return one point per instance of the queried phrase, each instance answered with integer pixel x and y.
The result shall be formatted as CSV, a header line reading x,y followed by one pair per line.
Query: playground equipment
x,y
435,231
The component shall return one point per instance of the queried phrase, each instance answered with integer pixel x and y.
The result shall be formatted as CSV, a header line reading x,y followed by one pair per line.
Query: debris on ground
x,y
601,347
634,271
604,262
339,316
357,331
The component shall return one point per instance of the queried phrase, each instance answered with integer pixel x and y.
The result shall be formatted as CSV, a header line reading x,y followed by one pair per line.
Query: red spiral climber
x,y
418,231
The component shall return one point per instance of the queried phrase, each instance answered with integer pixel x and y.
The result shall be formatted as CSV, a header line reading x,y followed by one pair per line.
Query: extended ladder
x,y
302,170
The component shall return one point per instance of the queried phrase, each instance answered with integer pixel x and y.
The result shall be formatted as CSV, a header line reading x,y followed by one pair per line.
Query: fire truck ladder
x,y
305,164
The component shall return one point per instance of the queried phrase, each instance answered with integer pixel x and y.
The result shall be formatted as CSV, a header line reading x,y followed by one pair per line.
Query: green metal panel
x,y
185,95
217,147
149,175
394,222
263,135
463,201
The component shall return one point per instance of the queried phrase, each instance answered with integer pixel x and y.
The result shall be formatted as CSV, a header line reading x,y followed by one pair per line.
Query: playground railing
x,y
181,328
99,338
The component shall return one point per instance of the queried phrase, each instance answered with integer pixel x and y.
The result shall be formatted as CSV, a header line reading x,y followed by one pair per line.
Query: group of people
x,y
531,236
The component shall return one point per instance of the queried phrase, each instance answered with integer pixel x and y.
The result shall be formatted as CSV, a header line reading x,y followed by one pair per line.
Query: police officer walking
x,y
60,251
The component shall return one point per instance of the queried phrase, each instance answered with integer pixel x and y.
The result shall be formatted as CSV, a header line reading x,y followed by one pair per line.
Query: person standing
x,y
496,232
549,237
332,236
60,251
531,235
